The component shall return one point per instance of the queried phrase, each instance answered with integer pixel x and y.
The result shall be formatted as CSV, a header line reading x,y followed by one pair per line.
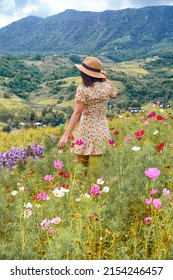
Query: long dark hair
x,y
88,80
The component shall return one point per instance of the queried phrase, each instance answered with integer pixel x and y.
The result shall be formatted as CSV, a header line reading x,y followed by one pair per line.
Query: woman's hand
x,y
62,142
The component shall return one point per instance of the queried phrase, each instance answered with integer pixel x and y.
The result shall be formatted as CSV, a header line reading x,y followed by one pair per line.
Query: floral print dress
x,y
91,135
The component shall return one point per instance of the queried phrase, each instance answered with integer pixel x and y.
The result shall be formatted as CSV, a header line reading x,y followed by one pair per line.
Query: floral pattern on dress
x,y
92,127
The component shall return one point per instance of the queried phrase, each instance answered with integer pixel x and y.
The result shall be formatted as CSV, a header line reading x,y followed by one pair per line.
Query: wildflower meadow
x,y
121,209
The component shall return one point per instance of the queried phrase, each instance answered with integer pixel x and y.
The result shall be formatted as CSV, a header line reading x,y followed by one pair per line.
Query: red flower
x,y
110,119
139,138
61,173
140,132
160,118
116,132
65,186
67,175
41,156
160,147
70,137
111,128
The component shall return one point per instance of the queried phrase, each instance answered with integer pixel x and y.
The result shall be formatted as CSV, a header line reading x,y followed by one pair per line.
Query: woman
x,y
91,136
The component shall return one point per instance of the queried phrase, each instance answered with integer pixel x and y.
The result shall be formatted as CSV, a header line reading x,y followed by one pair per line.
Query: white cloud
x,y
12,10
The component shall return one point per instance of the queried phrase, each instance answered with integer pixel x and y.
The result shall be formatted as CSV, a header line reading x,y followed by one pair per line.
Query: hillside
x,y
120,34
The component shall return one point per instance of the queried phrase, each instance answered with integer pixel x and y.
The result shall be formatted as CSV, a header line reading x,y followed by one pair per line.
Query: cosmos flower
x,y
58,164
147,220
152,173
135,148
157,203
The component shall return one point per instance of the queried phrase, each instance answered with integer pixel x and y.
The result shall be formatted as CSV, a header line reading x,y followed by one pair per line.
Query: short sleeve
x,y
80,95
113,91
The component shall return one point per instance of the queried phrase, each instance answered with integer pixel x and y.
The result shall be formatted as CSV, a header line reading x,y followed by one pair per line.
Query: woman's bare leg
x,y
83,159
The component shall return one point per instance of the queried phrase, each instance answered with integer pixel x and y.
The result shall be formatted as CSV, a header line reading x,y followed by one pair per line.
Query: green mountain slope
x,y
138,31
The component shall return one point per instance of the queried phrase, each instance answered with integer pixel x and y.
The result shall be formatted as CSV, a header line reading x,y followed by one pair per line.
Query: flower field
x,y
120,210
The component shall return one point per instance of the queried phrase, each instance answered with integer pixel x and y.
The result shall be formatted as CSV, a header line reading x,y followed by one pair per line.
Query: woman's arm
x,y
73,121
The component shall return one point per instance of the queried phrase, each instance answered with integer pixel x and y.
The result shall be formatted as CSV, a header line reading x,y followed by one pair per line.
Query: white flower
x,y
14,193
100,181
78,199
155,132
120,116
154,105
21,189
86,195
38,205
161,110
106,189
64,190
27,213
58,193
135,148
28,205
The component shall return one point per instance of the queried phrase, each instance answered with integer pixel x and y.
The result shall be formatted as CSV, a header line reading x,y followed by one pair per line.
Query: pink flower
x,y
148,200
48,178
45,223
157,203
58,164
166,192
152,173
42,196
147,220
111,142
154,191
51,230
146,123
95,190
56,220
128,138
53,136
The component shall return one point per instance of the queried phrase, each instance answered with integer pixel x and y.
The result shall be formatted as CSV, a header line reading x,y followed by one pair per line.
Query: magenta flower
x,y
157,203
53,136
95,190
111,142
48,178
148,200
58,164
154,191
166,192
51,230
128,138
42,196
152,173
147,220
151,115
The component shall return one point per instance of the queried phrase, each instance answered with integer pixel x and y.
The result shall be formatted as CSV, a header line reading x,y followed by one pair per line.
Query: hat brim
x,y
89,72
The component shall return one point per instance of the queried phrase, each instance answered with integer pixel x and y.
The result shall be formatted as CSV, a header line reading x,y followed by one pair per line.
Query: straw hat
x,y
92,67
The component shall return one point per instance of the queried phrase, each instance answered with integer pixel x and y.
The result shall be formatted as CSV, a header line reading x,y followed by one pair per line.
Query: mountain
x,y
139,31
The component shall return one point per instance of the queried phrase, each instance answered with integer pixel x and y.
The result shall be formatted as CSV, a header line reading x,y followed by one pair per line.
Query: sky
x,y
13,10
